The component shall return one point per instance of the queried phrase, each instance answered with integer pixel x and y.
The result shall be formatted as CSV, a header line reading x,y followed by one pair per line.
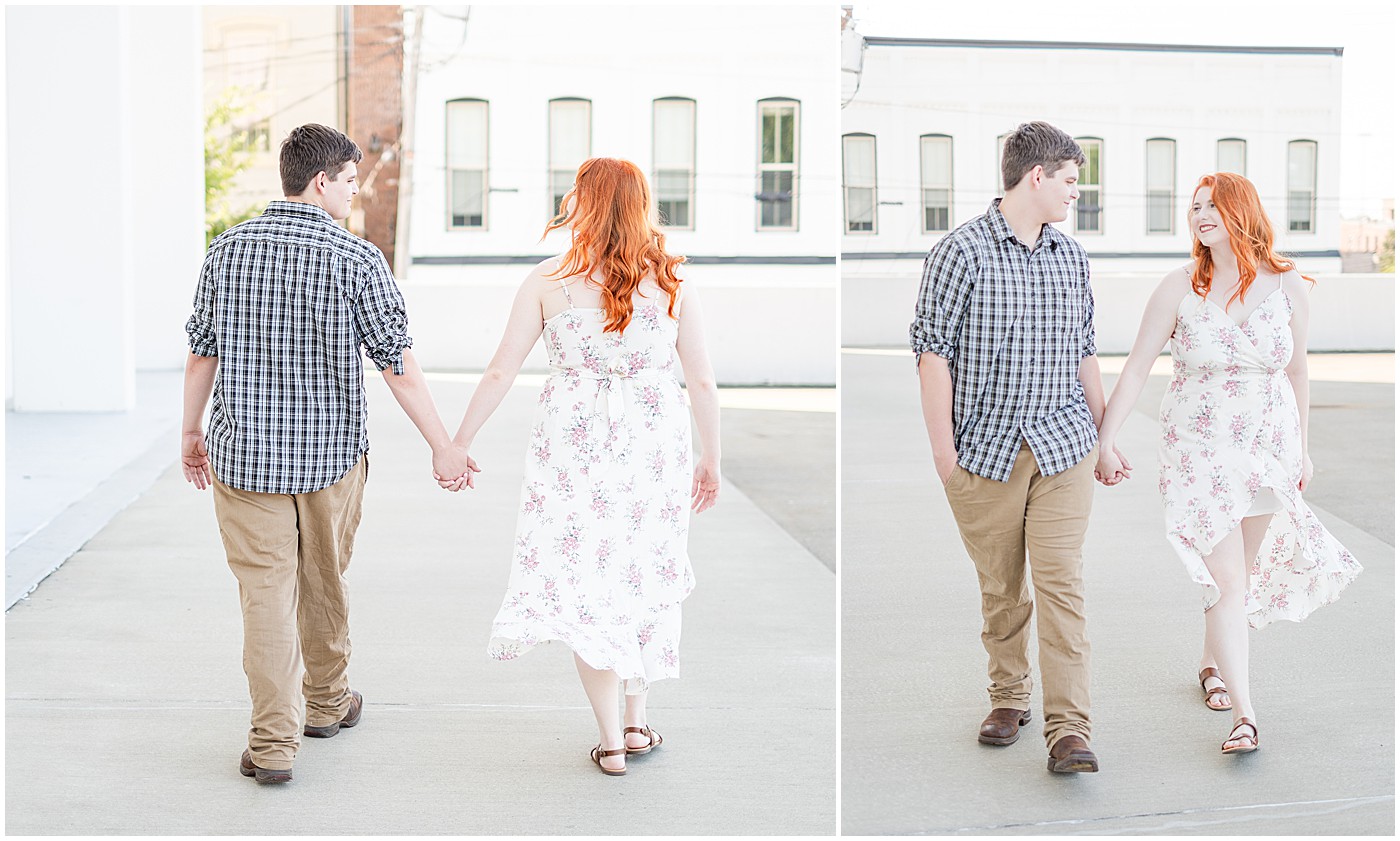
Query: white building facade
x,y
103,231
287,65
923,121
736,129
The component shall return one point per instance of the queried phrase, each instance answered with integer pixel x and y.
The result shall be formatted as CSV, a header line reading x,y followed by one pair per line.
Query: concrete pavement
x,y
914,671
127,708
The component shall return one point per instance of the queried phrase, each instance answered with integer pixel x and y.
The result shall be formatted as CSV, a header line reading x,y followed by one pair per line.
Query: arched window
x,y
1001,150
1230,155
570,144
467,183
1161,185
778,142
936,182
1302,186
673,160
858,182
1088,210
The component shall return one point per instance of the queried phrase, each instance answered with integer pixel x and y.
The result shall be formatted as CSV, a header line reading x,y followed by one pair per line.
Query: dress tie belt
x,y
613,382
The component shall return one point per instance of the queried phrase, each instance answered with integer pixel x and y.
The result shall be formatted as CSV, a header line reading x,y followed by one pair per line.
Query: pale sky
x,y
1366,29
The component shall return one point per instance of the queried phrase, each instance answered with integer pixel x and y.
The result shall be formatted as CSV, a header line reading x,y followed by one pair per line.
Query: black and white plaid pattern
x,y
286,300
1014,324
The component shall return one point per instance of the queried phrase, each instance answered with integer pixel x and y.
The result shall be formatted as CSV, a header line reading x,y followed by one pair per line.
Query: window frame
x,y
873,187
795,167
1289,191
553,169
1244,155
1148,188
694,154
485,170
1083,185
996,158
924,184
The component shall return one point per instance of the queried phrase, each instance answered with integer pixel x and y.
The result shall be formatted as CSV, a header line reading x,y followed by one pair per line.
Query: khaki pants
x,y
289,553
1040,519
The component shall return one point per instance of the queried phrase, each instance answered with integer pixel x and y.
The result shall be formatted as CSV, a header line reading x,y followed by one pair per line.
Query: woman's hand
x,y
704,489
1111,468
453,467
1306,478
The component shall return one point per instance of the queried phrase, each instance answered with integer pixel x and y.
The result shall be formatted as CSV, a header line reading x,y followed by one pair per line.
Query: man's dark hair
x,y
310,149
1036,144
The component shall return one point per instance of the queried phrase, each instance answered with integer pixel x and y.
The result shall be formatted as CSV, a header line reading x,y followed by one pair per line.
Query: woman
x,y
1234,454
600,547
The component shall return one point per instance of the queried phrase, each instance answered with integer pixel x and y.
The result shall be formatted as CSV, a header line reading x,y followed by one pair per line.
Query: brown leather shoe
x,y
1002,726
357,706
1071,755
262,775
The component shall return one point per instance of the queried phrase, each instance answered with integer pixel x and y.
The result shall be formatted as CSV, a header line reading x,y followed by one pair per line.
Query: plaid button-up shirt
x,y
286,300
1014,324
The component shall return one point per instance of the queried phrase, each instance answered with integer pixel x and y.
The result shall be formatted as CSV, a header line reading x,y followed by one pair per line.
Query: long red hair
x,y
615,236
1251,234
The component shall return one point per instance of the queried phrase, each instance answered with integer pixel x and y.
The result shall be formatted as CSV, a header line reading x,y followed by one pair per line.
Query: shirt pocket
x,y
1067,305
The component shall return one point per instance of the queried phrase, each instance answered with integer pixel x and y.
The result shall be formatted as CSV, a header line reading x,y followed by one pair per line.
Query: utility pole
x,y
406,150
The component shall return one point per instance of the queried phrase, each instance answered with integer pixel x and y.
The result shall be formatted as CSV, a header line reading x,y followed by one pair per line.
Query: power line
x,y
333,83
282,42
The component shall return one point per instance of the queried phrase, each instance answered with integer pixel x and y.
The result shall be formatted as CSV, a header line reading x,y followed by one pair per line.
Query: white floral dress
x,y
1232,447
600,543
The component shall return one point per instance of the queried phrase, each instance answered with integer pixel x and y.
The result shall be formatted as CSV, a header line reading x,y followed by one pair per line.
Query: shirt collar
x,y
297,208
1049,234
1000,229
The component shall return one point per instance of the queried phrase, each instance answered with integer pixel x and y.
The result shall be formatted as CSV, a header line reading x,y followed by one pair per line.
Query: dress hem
x,y
1258,614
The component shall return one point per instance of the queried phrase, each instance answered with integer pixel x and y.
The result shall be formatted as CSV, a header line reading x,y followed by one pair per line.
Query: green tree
x,y
1387,253
224,159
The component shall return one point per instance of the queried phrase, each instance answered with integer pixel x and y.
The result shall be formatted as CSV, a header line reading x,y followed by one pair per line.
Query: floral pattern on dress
x,y
1230,430
600,557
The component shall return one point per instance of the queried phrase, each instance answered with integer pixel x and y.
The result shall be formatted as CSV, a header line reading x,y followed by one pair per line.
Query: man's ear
x,y
322,181
1037,175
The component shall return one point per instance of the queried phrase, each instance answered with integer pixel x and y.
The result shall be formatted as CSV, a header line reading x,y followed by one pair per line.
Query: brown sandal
x,y
1253,741
652,735
597,755
1207,674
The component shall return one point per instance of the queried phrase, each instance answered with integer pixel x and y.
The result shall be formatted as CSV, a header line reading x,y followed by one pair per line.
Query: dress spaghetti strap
x,y
570,298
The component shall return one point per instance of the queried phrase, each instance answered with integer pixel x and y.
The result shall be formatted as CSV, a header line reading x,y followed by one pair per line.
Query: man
x,y
1011,392
284,303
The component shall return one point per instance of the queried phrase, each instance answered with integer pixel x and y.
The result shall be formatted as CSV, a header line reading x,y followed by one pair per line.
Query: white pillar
x,y
166,104
69,215
5,219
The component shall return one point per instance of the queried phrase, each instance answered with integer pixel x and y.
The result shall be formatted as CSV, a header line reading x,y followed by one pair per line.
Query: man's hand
x,y
1112,467
194,458
453,468
945,464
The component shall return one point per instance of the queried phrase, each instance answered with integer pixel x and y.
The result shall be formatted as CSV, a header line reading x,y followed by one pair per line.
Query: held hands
x,y
453,468
704,489
194,458
1113,466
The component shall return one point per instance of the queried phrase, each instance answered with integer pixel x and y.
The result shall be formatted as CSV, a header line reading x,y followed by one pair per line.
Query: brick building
x,y
340,66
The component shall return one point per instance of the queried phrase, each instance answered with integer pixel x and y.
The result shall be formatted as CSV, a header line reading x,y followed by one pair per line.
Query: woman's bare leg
x,y
1253,530
1227,629
635,715
601,687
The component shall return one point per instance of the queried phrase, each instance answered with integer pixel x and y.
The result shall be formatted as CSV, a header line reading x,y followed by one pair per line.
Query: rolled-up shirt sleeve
x,y
381,318
1087,332
200,327
943,300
